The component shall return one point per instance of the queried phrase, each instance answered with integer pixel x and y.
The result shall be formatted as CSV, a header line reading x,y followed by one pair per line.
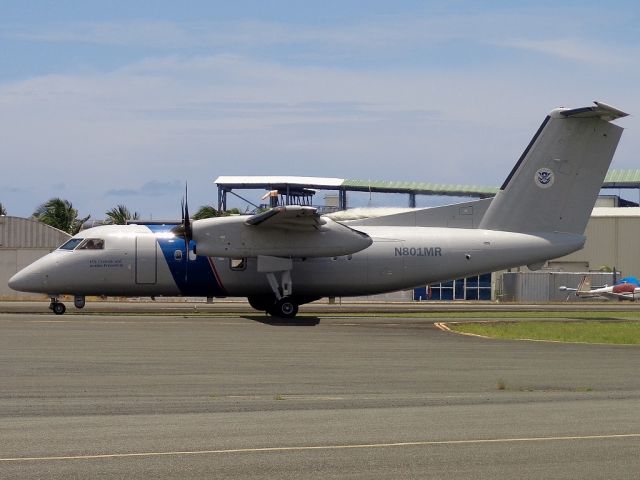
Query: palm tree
x,y
206,211
60,214
120,215
3,211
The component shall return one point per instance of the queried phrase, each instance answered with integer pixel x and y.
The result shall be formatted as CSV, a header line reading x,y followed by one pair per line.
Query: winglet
x,y
601,110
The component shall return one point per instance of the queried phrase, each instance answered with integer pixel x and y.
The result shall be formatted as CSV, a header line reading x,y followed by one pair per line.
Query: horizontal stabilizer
x,y
459,215
601,110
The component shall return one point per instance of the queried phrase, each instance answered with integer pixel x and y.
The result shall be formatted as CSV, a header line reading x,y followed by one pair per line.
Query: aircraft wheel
x,y
58,308
284,308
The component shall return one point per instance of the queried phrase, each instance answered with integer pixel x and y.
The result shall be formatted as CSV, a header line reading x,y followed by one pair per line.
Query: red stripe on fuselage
x,y
215,274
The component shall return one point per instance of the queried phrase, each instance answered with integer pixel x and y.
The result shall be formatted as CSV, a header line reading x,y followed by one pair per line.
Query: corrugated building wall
x,y
23,241
540,287
613,240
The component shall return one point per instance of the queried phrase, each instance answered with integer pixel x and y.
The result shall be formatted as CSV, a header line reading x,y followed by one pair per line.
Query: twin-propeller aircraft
x,y
292,255
627,288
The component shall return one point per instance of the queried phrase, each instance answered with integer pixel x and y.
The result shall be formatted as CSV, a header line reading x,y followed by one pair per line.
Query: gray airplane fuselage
x,y
140,260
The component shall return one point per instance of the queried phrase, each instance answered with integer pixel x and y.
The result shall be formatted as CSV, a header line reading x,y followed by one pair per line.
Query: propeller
x,y
184,230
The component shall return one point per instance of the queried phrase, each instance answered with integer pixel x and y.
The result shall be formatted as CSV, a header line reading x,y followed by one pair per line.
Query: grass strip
x,y
489,315
611,332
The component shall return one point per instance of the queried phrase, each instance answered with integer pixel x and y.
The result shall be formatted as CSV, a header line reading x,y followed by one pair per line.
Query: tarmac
x,y
133,391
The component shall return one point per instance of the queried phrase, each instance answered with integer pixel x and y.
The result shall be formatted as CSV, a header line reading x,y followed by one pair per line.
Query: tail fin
x,y
585,285
556,181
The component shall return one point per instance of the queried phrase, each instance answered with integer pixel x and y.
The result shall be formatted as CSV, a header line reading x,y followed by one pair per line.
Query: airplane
x,y
627,288
292,255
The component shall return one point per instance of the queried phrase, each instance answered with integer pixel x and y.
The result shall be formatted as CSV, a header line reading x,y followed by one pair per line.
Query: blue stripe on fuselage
x,y
195,277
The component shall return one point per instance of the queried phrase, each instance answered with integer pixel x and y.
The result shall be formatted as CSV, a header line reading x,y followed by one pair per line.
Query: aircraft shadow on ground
x,y
284,322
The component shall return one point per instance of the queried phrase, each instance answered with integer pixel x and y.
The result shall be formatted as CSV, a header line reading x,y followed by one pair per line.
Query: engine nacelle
x,y
233,237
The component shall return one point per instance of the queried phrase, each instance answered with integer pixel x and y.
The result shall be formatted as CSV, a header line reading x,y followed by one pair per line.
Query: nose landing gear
x,y
57,307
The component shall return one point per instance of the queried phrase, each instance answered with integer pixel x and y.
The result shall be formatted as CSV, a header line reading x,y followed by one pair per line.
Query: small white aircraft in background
x,y
627,288
292,255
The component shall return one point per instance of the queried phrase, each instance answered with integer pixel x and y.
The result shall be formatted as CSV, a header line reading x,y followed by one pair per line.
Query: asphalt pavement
x,y
126,395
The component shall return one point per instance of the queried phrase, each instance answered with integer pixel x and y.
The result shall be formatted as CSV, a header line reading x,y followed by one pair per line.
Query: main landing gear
x,y
281,302
285,307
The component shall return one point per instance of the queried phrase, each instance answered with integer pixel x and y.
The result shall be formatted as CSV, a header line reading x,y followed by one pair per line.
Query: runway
x,y
179,396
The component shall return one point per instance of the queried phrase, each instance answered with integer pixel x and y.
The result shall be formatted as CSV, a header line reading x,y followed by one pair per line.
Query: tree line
x,y
59,213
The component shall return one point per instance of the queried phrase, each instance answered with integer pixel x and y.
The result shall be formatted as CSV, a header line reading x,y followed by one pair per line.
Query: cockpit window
x,y
92,244
71,244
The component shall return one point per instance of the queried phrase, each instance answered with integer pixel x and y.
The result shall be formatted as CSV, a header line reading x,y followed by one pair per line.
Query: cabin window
x,y
71,244
177,255
92,244
237,263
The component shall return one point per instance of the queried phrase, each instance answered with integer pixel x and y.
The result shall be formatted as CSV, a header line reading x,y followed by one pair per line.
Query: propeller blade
x,y
186,225
187,220
184,229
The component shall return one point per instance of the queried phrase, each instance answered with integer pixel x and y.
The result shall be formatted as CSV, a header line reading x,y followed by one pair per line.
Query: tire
x,y
284,308
262,303
58,308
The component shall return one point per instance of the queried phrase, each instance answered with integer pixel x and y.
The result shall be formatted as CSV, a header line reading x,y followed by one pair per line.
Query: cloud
x,y
461,116
153,188
575,50
122,192
149,33
426,32
14,189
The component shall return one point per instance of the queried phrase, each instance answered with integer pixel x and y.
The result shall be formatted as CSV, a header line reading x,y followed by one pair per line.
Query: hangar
x,y
612,241
23,241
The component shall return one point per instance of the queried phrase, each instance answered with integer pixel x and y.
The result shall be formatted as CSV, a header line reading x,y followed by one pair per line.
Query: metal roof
x,y
614,179
420,188
270,182
622,179
18,232
616,212
256,181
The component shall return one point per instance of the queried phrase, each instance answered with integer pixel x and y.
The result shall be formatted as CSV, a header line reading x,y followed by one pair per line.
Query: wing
x,y
291,217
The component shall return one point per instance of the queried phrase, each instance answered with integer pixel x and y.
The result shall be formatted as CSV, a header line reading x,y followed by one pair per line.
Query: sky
x,y
123,102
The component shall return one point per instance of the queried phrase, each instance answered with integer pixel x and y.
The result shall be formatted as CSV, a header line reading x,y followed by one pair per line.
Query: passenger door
x,y
146,266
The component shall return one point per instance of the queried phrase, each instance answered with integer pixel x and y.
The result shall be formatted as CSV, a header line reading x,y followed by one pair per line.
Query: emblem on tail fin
x,y
544,178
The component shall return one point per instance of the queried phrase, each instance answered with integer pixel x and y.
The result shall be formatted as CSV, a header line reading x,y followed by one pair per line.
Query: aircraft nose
x,y
19,282
29,279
